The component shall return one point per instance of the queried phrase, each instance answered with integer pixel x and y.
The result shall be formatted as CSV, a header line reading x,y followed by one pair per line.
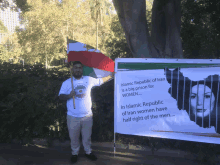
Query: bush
x,y
29,101
29,105
103,112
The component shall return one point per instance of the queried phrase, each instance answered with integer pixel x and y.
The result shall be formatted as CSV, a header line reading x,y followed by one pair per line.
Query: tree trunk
x,y
132,16
46,57
51,61
97,34
165,38
46,61
166,24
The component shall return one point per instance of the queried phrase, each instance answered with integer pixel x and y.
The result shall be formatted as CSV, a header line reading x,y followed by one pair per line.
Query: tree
x,y
80,27
116,43
99,8
76,24
164,40
42,41
3,28
10,48
199,31
15,5
3,49
149,5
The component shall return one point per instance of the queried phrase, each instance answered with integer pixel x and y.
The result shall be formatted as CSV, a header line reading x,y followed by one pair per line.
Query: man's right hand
x,y
72,93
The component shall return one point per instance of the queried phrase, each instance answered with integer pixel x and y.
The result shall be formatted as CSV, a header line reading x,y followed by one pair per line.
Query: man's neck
x,y
78,78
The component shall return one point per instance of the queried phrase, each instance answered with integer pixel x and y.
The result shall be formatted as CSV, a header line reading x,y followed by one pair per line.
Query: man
x,y
80,119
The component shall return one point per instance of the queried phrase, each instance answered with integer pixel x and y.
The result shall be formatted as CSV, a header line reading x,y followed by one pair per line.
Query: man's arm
x,y
64,97
106,79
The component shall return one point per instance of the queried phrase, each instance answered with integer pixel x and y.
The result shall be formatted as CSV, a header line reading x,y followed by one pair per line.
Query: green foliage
x,y
48,23
17,4
99,9
30,105
3,29
10,49
43,38
116,44
3,53
149,4
205,153
29,101
199,31
103,112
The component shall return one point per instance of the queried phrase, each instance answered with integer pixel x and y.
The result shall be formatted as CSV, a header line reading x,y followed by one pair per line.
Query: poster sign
x,y
168,98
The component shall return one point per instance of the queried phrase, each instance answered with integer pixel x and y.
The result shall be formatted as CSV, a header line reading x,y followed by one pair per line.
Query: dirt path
x,y
14,154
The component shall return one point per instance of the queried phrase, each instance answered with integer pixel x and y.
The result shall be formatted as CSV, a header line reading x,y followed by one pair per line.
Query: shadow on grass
x,y
33,154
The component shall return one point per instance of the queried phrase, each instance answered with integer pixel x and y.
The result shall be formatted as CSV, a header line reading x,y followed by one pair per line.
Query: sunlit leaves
x,y
42,34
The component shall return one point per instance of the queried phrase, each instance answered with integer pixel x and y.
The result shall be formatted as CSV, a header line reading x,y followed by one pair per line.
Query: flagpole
x,y
71,78
72,87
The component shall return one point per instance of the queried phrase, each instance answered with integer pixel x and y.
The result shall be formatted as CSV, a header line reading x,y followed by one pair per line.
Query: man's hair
x,y
74,63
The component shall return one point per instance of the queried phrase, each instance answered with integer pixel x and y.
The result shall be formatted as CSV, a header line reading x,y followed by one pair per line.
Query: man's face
x,y
77,70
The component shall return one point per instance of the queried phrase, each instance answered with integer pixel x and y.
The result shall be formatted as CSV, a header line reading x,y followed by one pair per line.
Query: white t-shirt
x,y
82,88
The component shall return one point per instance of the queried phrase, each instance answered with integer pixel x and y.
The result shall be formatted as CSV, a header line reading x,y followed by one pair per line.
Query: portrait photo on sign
x,y
200,97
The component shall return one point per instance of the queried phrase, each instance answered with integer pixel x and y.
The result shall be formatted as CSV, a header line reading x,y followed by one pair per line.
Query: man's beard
x,y
77,76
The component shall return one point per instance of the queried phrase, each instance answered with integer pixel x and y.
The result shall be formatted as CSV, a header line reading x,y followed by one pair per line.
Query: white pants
x,y
77,125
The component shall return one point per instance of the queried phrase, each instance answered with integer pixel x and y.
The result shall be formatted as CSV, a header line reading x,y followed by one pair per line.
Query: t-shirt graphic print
x,y
80,91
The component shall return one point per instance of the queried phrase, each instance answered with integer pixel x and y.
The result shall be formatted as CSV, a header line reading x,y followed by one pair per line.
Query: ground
x,y
15,154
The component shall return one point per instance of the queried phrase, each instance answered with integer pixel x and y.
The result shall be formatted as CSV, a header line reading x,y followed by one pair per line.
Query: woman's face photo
x,y
197,100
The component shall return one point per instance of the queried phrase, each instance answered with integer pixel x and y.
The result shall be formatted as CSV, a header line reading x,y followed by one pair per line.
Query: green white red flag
x,y
95,63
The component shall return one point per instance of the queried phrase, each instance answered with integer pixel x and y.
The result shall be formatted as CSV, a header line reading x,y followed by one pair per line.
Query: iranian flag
x,y
95,63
